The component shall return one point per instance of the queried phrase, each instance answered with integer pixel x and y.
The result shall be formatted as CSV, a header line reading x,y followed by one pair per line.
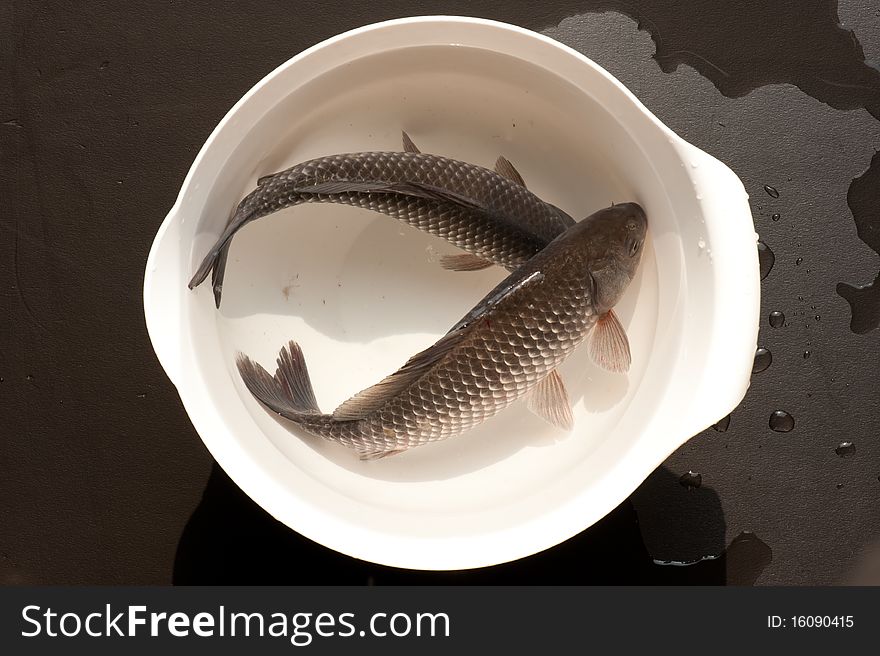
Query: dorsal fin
x,y
505,168
342,187
432,192
408,145
516,281
373,398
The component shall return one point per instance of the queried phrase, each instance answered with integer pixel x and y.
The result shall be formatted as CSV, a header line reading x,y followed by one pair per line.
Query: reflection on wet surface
x,y
845,449
691,479
781,421
742,562
772,191
766,259
763,359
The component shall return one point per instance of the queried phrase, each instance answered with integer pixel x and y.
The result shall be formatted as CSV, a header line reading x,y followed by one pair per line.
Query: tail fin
x,y
219,272
289,393
215,261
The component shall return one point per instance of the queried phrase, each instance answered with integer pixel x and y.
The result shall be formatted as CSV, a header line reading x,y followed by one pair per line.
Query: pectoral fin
x,y
464,262
549,400
608,344
378,455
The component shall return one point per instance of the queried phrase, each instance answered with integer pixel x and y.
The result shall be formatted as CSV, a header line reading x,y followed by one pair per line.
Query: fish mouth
x,y
636,219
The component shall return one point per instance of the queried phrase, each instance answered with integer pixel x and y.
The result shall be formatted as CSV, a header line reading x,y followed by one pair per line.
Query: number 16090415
x,y
810,622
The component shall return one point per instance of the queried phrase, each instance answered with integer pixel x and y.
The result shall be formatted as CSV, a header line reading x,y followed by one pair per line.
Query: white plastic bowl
x,y
362,292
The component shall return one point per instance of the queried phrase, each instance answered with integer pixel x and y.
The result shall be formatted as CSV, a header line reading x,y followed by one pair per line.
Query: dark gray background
x,y
102,109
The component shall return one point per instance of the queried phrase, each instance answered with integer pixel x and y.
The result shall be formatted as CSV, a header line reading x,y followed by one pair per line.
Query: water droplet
x,y
818,317
845,449
772,191
691,479
28,377
781,421
798,261
807,354
777,319
745,558
766,258
800,298
763,358
775,217
701,243
839,486
722,425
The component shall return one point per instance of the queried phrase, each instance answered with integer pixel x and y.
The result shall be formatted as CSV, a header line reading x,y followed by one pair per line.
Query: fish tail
x,y
215,261
219,272
289,392
206,267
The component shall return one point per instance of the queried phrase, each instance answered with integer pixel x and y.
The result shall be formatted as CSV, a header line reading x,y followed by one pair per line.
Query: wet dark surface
x,y
105,106
864,201
229,539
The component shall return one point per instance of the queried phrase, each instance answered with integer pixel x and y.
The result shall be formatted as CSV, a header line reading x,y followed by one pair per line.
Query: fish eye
x,y
634,247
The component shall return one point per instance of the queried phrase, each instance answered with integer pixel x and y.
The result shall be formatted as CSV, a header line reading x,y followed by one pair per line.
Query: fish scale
x,y
481,377
489,215
507,346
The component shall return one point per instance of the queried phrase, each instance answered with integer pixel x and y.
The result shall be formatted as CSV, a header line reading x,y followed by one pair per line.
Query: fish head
x,y
611,242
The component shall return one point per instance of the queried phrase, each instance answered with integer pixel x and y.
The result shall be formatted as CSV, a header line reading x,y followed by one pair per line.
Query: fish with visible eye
x,y
489,214
506,348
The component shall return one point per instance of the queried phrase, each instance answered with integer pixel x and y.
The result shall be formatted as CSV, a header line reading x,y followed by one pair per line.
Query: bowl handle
x,y
161,280
721,376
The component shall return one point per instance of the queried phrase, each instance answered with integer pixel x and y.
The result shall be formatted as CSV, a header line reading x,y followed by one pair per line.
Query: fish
x,y
489,214
506,348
